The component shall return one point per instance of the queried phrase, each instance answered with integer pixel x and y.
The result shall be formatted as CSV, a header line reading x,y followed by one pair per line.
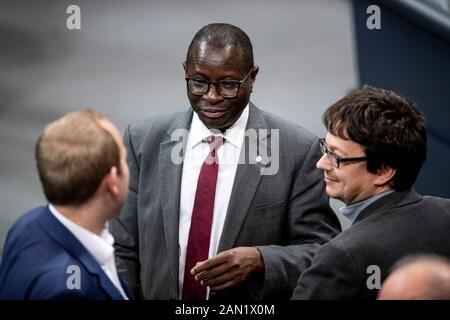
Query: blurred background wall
x,y
126,62
411,55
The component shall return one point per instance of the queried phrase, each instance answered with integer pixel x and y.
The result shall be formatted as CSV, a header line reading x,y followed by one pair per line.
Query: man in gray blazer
x,y
372,154
243,229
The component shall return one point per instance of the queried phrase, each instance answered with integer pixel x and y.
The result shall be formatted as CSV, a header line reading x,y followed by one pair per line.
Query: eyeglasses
x,y
333,158
226,88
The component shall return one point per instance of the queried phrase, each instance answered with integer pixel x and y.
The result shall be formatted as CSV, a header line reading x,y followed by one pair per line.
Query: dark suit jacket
x,y
285,215
36,257
399,224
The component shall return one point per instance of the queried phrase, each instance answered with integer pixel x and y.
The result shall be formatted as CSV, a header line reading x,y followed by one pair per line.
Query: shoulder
x,y
155,125
432,212
382,234
26,227
145,136
420,208
34,269
294,141
436,202
47,272
29,217
297,147
29,248
288,128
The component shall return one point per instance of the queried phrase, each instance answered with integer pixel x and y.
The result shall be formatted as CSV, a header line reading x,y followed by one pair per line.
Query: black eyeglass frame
x,y
217,84
334,159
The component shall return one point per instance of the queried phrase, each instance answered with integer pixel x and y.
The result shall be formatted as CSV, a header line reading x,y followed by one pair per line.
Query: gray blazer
x,y
286,215
399,224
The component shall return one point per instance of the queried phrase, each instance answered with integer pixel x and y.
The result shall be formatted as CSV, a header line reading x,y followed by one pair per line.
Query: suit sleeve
x,y
331,276
125,228
311,223
51,286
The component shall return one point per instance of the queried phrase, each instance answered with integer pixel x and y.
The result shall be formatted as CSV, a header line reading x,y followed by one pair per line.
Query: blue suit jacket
x,y
43,260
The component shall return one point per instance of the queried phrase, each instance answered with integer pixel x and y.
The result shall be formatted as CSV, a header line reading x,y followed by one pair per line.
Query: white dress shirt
x,y
196,152
100,247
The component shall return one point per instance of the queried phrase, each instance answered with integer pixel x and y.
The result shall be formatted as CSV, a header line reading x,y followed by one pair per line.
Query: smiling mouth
x,y
213,114
329,180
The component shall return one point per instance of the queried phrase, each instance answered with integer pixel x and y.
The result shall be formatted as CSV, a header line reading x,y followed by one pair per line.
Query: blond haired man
x,y
64,250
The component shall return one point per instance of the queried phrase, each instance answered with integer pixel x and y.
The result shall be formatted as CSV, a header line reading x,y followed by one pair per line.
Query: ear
x,y
384,175
185,68
111,181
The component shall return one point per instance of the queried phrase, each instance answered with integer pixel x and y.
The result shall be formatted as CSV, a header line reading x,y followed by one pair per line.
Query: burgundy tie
x,y
201,221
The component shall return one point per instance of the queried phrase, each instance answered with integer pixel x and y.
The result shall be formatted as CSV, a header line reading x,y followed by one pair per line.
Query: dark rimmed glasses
x,y
334,159
226,88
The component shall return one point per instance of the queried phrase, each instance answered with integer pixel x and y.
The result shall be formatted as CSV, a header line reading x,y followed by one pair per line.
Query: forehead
x,y
209,55
343,146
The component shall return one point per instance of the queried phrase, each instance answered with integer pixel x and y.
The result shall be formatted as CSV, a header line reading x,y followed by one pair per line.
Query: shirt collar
x,y
234,135
352,211
99,246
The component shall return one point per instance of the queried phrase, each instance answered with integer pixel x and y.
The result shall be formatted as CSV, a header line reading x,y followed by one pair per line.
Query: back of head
x,y
422,277
221,35
73,154
390,129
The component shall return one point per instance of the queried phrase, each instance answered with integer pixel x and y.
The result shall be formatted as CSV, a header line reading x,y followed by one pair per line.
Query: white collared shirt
x,y
196,152
100,247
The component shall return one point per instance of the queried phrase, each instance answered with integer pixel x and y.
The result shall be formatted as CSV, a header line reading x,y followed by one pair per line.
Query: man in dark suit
x,y
224,201
372,154
64,250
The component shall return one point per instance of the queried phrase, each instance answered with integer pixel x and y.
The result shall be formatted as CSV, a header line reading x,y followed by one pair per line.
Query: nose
x,y
324,163
213,96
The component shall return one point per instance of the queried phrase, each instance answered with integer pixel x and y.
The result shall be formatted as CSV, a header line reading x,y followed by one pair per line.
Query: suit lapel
x,y
246,181
70,243
170,185
392,200
128,292
108,286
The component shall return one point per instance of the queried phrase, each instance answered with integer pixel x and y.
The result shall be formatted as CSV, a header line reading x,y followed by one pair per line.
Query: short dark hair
x,y
221,35
390,129
73,155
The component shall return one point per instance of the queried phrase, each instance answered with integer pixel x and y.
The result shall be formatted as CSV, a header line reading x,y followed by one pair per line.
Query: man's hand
x,y
229,268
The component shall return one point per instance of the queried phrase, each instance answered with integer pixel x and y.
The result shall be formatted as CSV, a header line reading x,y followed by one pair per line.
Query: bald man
x,y
229,231
418,278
